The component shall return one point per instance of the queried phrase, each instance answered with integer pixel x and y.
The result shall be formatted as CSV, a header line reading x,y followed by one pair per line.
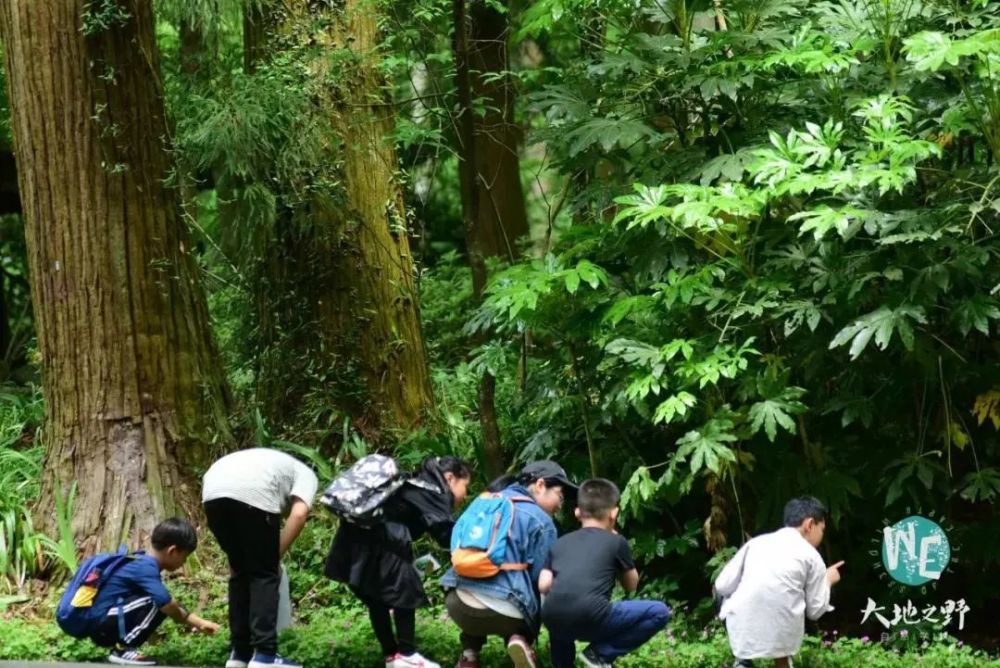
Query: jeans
x,y
628,627
250,537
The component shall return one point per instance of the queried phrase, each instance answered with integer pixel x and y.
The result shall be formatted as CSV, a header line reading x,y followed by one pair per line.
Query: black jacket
x,y
377,563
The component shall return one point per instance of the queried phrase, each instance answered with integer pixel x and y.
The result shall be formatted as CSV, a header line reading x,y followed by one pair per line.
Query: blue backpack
x,y
75,612
480,538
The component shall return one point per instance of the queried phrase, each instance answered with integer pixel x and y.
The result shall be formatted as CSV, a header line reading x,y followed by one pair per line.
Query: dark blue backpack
x,y
75,612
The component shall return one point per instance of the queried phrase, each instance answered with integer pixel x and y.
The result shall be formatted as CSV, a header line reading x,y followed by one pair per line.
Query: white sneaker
x,y
235,662
521,654
130,657
412,661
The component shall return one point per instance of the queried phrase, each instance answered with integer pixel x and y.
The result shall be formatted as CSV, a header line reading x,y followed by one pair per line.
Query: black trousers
x,y
403,641
250,537
139,618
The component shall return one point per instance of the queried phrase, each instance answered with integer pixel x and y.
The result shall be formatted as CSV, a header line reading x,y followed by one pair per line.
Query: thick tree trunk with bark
x,y
373,308
134,389
346,294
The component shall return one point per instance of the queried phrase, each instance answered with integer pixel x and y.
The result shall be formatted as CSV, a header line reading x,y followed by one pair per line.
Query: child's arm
x,y
729,579
293,525
179,614
545,580
818,588
629,580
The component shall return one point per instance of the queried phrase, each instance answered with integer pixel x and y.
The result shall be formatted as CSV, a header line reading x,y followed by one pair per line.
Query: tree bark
x,y
375,304
493,209
501,218
5,336
134,389
259,19
343,268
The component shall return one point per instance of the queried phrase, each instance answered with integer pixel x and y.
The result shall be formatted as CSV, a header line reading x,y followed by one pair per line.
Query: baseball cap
x,y
548,470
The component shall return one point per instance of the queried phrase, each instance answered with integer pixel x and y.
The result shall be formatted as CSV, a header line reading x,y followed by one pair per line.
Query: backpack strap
x,y
514,500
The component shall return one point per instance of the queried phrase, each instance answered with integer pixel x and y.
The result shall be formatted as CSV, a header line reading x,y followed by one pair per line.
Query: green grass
x,y
341,638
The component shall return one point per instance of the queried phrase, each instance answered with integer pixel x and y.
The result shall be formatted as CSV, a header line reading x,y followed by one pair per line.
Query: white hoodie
x,y
773,583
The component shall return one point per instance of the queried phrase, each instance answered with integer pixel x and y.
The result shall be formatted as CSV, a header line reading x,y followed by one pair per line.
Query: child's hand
x,y
205,626
833,573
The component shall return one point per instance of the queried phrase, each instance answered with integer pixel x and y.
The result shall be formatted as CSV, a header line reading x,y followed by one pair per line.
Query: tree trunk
x,y
501,218
374,304
133,384
493,210
346,297
5,336
259,18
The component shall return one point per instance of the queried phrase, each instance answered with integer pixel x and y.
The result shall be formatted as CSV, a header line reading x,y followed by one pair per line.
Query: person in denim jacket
x,y
507,604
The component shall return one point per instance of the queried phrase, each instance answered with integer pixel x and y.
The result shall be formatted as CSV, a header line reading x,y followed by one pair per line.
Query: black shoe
x,y
592,659
743,663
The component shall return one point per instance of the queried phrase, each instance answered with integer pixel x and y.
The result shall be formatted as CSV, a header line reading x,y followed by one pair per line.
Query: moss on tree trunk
x,y
135,394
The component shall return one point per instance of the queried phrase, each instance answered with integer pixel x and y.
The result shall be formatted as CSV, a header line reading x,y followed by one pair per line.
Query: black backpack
x,y
358,494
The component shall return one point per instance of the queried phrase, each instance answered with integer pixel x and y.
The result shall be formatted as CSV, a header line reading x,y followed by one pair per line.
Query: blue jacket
x,y
533,534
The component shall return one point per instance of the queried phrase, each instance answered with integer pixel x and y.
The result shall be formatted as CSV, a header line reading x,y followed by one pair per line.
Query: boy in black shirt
x,y
578,578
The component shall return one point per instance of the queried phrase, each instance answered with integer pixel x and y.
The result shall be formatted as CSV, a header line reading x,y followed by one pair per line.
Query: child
x,y
246,494
377,563
134,602
578,578
773,583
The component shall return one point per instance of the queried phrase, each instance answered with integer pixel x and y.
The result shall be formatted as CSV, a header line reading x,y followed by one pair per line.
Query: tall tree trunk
x,y
501,218
375,304
133,384
346,284
493,209
259,19
5,336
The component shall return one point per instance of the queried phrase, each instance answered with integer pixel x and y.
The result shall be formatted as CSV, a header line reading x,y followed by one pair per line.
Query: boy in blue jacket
x,y
134,601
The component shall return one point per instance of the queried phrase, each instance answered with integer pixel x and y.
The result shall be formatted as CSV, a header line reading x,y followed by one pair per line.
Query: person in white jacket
x,y
773,583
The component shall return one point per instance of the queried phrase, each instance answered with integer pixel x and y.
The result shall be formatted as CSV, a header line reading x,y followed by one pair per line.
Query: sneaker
x,y
236,661
592,659
743,663
259,660
469,659
130,657
521,653
412,661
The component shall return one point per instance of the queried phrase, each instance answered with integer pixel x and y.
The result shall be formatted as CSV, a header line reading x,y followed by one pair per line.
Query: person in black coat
x,y
377,563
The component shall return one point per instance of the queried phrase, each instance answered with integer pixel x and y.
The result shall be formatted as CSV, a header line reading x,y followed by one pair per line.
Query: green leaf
x,y
929,50
706,447
845,220
982,485
774,412
675,406
976,313
572,281
880,324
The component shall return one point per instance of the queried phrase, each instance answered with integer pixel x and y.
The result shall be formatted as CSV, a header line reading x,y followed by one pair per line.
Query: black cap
x,y
548,470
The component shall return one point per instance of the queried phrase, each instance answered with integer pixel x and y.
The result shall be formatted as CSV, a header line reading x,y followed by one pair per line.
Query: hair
x,y
597,498
800,509
502,483
455,466
175,532
508,479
